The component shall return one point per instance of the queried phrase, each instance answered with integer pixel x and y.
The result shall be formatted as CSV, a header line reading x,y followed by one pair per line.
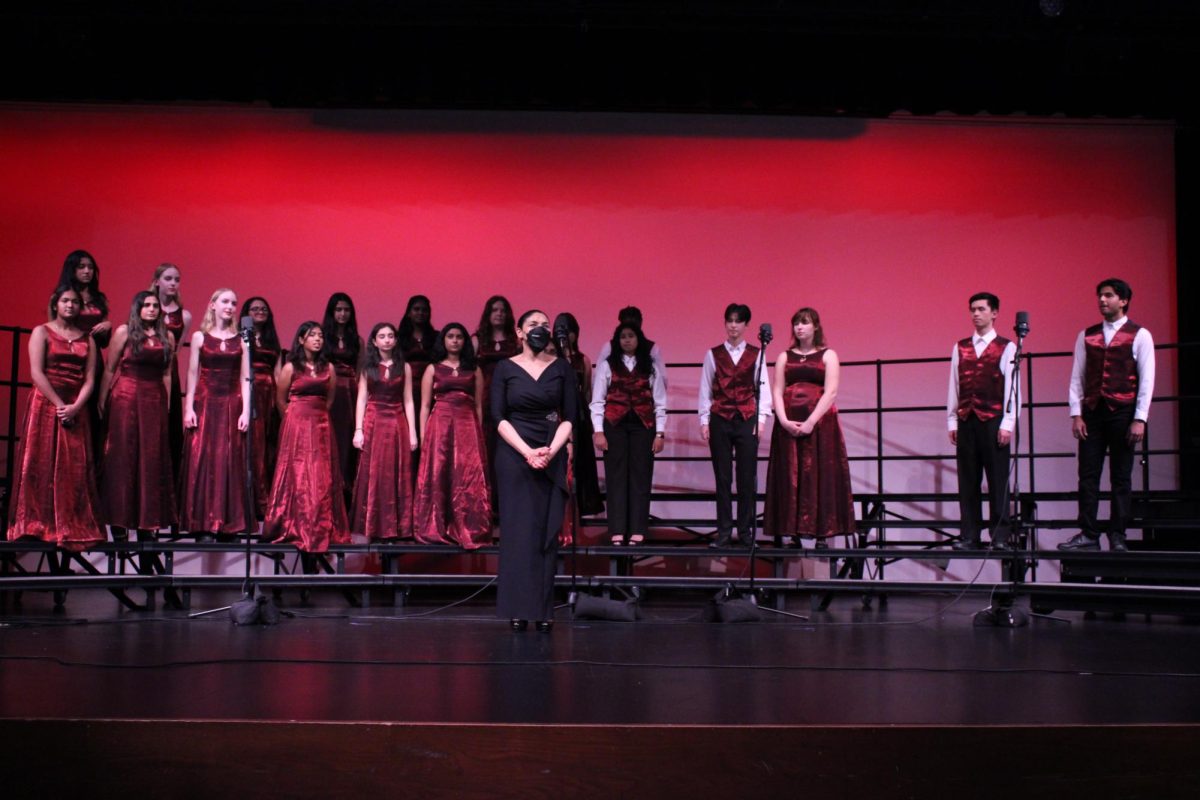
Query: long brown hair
x,y
137,332
808,314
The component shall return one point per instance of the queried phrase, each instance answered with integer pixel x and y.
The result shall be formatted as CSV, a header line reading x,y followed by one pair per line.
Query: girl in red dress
x,y
495,341
416,337
266,359
216,415
386,433
54,491
808,476
306,505
178,320
81,273
452,505
136,479
342,347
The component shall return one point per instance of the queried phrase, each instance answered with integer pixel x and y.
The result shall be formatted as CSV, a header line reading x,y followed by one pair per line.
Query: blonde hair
x,y
158,271
210,315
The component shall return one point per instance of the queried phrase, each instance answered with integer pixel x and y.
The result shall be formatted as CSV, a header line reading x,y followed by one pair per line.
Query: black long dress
x,y
532,501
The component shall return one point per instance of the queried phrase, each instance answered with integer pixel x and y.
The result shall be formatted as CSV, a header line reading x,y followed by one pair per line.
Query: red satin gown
x,y
174,322
136,480
54,492
808,477
345,396
264,427
212,494
306,506
452,503
383,489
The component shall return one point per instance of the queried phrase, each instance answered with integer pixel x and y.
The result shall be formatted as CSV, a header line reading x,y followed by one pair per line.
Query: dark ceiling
x,y
856,57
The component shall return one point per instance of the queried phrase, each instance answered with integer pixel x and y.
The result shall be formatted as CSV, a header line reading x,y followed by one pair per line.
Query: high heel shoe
x,y
545,626
519,625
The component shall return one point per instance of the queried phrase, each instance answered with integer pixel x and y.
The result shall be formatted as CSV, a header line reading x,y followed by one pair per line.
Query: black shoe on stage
x,y
746,540
967,544
724,539
1117,544
545,626
518,625
1081,541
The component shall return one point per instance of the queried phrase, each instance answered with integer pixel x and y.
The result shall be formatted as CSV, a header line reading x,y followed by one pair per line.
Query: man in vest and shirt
x,y
729,425
981,421
1112,381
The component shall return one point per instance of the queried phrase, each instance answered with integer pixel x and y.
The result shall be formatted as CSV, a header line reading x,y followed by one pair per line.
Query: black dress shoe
x,y
1005,545
724,539
545,626
519,625
746,540
1081,541
967,544
1117,544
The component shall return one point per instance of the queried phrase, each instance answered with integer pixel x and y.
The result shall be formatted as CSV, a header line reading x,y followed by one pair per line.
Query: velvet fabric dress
x,y
452,504
345,396
212,487
808,477
137,485
90,316
54,491
264,426
486,359
306,506
532,502
383,490
174,322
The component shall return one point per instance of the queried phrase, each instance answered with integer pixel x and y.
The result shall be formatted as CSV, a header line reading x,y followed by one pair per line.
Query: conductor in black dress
x,y
533,399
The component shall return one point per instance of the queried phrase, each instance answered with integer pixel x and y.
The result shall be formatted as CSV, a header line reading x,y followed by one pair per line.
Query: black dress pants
x,y
628,474
979,455
1107,429
732,442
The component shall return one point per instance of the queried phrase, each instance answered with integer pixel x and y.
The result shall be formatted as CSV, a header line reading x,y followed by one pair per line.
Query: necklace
x,y
804,356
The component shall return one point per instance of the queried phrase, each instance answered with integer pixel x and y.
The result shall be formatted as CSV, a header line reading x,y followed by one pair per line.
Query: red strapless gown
x,y
383,489
264,427
212,494
136,481
345,396
808,477
174,323
54,492
452,504
306,505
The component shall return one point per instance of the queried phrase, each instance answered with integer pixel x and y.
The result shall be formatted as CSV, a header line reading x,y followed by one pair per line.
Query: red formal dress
x,y
345,396
489,355
383,489
808,477
90,316
417,356
452,504
264,427
306,506
136,480
174,323
54,492
212,493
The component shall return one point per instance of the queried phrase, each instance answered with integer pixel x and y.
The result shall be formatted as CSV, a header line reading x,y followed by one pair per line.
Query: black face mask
x,y
538,338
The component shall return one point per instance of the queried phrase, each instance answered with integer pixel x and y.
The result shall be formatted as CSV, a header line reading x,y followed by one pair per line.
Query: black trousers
x,y
1106,432
978,455
732,442
628,474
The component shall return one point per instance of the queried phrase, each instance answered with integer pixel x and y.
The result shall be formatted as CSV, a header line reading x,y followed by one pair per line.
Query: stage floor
x,y
915,661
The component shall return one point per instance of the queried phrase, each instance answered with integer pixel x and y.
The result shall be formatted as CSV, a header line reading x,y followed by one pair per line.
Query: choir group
x,y
433,435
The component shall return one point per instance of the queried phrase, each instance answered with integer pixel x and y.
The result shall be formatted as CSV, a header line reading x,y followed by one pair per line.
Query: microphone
x,y
1022,326
247,328
765,334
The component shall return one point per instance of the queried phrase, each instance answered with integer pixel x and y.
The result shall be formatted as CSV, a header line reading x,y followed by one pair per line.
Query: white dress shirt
x,y
1143,355
660,367
602,379
710,371
1008,420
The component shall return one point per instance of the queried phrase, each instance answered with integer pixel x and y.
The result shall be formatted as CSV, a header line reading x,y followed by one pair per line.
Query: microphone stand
x,y
765,336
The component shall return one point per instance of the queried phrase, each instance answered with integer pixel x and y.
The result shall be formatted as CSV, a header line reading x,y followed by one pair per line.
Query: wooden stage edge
x,y
207,758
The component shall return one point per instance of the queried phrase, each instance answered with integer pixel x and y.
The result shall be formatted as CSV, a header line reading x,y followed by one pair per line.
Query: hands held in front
x,y
539,458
